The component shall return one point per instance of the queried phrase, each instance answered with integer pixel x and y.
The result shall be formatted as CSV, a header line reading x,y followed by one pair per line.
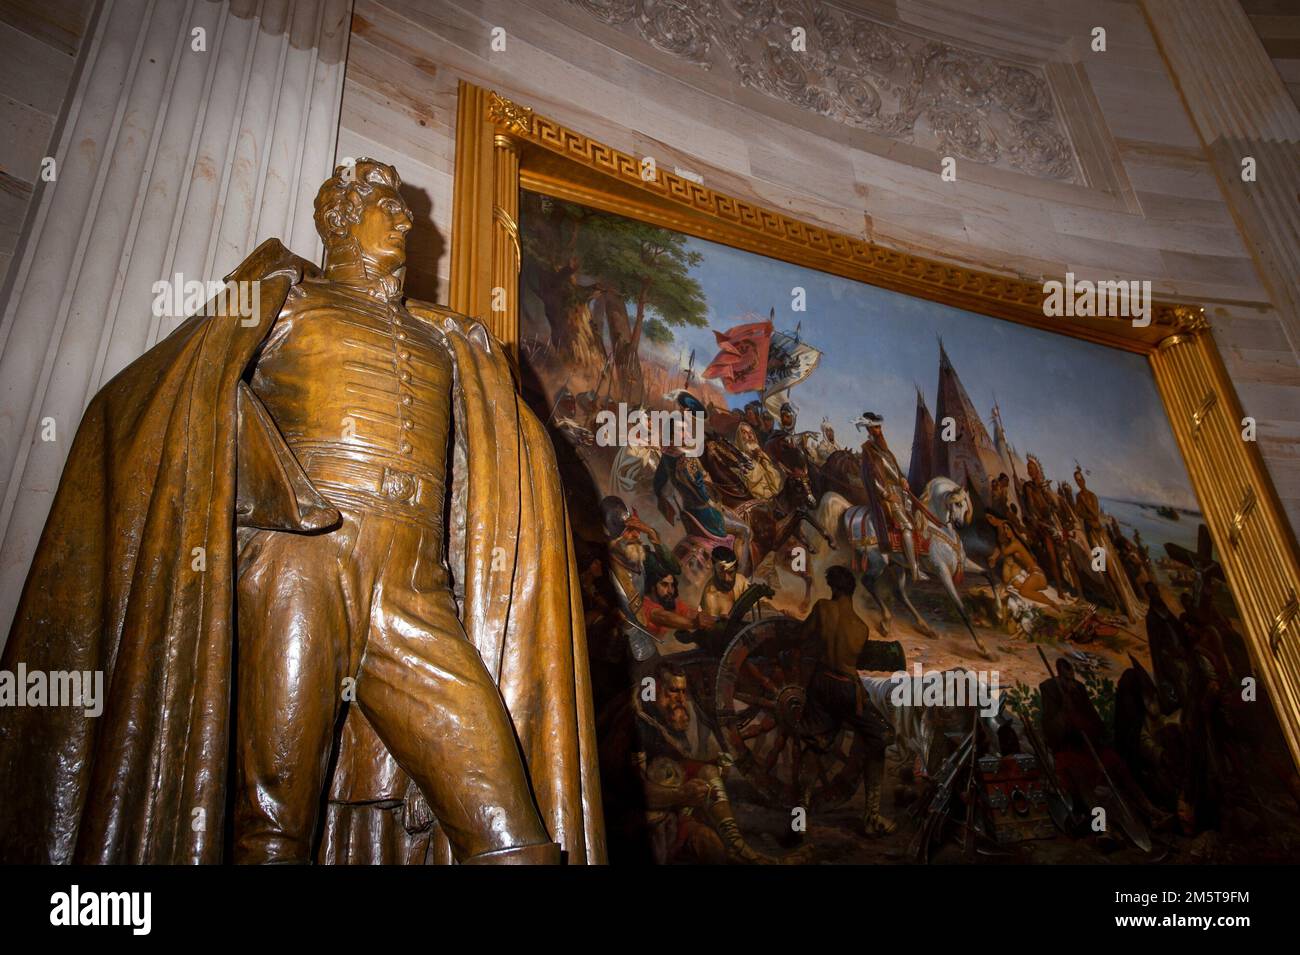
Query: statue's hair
x,y
342,196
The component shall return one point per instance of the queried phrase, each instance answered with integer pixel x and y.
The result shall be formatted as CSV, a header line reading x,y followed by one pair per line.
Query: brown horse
x,y
842,474
726,465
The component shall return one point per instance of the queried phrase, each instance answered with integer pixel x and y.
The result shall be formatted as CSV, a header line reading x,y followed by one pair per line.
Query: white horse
x,y
920,727
949,509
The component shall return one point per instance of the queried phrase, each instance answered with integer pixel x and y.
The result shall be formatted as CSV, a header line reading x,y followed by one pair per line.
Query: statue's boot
x,y
873,822
546,853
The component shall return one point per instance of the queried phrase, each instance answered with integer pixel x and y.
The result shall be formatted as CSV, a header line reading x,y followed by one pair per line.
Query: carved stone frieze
x,y
858,71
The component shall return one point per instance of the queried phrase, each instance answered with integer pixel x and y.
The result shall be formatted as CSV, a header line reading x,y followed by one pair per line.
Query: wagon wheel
x,y
790,750
700,665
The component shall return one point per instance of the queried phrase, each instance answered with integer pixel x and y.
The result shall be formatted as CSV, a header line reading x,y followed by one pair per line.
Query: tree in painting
x,y
607,283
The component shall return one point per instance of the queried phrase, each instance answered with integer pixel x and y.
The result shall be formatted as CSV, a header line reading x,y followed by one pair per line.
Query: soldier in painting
x,y
1083,757
760,419
725,585
664,765
842,636
890,497
663,610
784,435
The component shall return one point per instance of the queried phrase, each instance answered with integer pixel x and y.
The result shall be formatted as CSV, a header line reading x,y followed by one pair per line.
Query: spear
x,y
1127,820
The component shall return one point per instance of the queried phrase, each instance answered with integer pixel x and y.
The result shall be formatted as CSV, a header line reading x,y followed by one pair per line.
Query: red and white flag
x,y
742,361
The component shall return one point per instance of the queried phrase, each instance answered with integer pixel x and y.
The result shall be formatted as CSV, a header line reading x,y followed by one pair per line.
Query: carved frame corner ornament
x,y
509,115
502,147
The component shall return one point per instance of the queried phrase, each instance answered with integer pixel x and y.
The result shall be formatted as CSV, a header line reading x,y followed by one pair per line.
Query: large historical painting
x,y
870,578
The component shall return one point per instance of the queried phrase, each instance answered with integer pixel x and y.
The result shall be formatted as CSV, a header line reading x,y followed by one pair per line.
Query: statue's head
x,y
359,211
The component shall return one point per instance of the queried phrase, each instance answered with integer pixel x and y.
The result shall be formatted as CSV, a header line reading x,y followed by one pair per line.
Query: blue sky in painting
x,y
1061,398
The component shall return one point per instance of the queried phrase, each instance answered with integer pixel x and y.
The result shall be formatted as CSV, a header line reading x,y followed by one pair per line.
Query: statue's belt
x,y
377,486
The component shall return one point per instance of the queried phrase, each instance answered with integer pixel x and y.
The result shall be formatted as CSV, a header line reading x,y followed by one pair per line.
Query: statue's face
x,y
381,233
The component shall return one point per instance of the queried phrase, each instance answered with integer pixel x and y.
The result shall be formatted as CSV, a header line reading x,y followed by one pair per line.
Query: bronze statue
x,y
322,556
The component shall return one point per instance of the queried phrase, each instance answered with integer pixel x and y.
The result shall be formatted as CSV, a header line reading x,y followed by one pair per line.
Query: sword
x,y
637,641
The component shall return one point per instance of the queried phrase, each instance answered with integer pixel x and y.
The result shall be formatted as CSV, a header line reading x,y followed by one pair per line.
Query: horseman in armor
x,y
784,435
890,497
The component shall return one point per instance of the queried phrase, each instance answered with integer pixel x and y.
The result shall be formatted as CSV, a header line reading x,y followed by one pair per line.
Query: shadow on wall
x,y
425,246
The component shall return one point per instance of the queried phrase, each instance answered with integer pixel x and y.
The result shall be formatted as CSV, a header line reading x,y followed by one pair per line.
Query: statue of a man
x,y
324,560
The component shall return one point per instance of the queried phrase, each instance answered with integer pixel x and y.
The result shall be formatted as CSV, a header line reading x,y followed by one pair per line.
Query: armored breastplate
x,y
361,391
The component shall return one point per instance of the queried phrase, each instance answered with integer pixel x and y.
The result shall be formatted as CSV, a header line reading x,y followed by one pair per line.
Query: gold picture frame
x,y
502,146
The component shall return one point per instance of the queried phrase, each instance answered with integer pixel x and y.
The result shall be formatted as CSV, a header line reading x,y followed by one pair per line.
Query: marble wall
x,y
1277,23
195,129
40,41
